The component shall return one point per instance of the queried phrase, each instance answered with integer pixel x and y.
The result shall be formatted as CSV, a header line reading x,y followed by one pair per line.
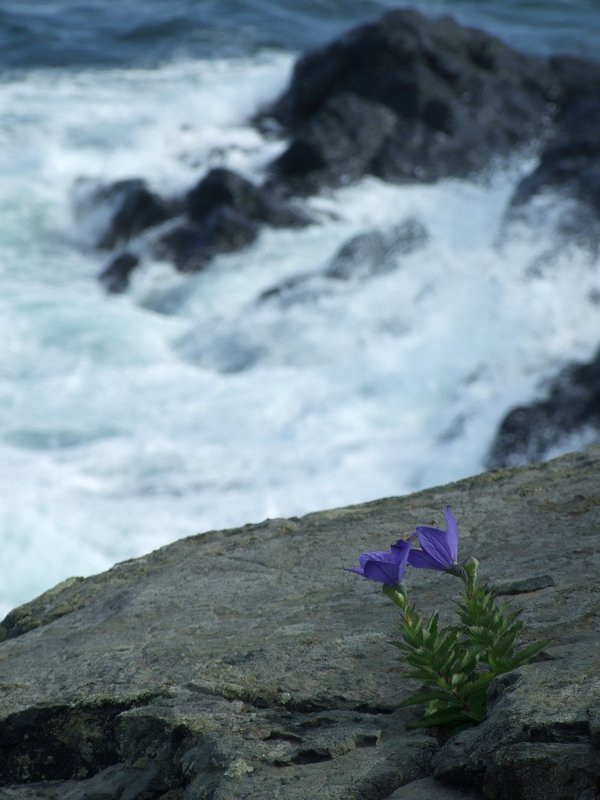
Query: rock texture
x,y
248,664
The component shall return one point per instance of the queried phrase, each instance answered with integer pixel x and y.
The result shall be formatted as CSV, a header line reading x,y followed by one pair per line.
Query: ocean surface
x,y
185,405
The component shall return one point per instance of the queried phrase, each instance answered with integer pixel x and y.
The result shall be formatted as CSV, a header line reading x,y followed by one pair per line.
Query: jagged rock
x,y
223,187
115,276
191,246
412,99
248,664
123,209
338,144
571,407
564,189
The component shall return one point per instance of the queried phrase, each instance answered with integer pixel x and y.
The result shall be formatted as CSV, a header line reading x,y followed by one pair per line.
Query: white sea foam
x,y
187,404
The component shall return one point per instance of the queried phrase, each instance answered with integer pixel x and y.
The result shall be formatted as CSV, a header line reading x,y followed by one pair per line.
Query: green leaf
x,y
525,655
503,645
425,697
480,684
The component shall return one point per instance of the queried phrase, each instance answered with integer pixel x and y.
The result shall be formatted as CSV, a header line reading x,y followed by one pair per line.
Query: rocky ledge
x,y
247,664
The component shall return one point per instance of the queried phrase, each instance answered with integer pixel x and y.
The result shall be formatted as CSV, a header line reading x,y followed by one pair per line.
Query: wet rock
x,y
411,99
570,408
364,256
563,191
305,288
223,187
337,144
191,246
122,210
376,252
247,663
115,276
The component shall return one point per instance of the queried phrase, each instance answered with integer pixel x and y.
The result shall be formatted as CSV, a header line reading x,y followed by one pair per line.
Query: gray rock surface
x,y
247,664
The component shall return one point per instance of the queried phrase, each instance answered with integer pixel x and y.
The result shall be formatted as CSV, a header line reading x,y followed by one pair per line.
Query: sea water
x,y
187,403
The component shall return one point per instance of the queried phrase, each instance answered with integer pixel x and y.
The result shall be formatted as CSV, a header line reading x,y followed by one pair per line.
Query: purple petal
x,y
400,551
386,567
384,572
358,570
435,543
420,560
452,533
375,556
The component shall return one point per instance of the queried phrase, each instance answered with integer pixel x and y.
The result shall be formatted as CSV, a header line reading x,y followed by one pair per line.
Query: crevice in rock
x,y
305,756
60,742
372,708
575,732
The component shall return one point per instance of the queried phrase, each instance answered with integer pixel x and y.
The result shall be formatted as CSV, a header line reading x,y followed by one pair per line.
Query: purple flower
x,y
385,567
439,549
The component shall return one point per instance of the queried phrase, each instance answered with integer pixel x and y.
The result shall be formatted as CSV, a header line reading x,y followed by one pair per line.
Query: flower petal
x,y
452,528
384,572
421,560
358,570
400,551
435,543
384,555
386,567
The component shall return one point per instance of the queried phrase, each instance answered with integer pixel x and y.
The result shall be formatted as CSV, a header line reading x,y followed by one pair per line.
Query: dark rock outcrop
x,y
565,186
115,276
191,246
221,214
412,99
128,208
570,408
223,188
248,664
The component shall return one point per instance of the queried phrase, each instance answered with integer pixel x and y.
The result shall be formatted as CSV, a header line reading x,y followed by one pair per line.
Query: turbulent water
x,y
186,404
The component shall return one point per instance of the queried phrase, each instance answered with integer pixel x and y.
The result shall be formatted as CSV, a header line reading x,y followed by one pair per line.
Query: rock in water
x,y
410,99
123,209
222,187
565,185
191,246
115,276
248,664
570,408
